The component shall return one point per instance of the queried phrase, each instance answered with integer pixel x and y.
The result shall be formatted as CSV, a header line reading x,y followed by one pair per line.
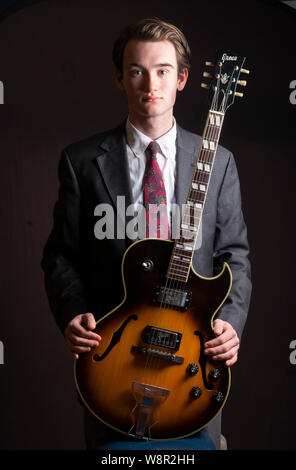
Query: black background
x,y
55,63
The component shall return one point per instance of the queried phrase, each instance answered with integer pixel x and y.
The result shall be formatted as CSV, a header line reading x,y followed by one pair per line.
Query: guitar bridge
x,y
150,352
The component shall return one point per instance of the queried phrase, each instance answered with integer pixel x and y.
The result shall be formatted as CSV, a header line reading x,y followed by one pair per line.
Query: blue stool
x,y
201,441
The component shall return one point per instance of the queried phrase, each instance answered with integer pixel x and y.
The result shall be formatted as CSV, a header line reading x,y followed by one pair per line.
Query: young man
x,y
82,271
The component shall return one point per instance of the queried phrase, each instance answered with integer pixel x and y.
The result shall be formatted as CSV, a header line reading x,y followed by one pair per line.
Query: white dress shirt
x,y
137,143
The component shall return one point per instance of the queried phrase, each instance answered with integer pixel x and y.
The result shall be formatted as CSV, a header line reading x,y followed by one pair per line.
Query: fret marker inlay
x,y
181,259
212,145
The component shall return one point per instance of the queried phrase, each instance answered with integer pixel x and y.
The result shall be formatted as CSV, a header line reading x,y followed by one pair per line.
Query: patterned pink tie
x,y
154,196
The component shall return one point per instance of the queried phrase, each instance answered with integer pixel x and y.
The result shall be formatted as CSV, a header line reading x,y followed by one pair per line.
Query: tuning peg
x,y
242,82
205,85
209,64
239,94
207,74
245,71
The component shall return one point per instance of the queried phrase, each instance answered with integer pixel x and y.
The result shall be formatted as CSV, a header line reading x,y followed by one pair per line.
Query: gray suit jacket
x,y
83,274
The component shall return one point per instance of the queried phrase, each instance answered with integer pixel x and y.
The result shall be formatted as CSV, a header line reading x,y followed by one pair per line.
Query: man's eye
x,y
163,72
136,72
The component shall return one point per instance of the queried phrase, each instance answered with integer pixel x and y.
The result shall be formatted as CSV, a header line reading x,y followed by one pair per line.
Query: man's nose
x,y
150,81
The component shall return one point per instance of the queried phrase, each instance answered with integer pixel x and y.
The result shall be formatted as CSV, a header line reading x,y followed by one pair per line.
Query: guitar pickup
x,y
170,297
160,337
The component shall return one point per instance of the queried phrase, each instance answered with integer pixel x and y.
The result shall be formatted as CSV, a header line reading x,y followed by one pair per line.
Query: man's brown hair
x,y
153,29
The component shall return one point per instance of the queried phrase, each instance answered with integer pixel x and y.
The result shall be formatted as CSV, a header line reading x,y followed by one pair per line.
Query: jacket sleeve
x,y
231,245
61,260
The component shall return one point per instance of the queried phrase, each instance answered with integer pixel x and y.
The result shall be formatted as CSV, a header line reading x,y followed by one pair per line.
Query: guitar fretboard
x,y
183,250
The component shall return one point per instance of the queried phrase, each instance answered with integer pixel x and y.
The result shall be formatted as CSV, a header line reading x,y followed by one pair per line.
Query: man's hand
x,y
226,344
78,336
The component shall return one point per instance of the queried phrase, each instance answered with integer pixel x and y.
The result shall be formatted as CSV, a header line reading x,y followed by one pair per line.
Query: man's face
x,y
150,78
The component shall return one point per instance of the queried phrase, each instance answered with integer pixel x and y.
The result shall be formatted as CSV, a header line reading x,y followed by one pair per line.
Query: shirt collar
x,y
138,141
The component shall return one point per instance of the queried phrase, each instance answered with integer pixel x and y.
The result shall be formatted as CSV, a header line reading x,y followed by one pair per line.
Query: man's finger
x,y
225,355
222,348
80,341
88,320
219,326
77,327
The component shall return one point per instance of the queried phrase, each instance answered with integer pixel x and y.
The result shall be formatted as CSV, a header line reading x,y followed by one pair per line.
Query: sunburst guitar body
x,y
148,376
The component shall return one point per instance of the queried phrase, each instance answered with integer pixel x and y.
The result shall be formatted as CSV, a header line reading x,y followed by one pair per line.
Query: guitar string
x,y
197,175
211,135
173,284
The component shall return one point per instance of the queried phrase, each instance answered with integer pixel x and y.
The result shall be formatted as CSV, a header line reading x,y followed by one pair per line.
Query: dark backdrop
x,y
55,59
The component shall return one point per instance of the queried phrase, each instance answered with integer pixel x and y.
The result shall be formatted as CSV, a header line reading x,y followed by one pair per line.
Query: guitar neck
x,y
192,210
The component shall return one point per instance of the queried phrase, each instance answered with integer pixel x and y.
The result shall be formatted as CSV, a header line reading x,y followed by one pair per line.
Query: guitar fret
x,y
182,276
201,177
180,272
182,267
192,210
206,156
200,197
175,270
178,269
177,278
190,217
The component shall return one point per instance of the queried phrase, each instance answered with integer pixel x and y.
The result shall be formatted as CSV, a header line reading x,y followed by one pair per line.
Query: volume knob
x,y
192,369
214,374
195,392
218,397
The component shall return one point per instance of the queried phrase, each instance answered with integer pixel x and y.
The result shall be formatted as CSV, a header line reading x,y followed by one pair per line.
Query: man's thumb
x,y
218,327
89,321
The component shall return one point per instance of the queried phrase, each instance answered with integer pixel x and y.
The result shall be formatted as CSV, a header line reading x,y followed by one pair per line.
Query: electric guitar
x,y
149,377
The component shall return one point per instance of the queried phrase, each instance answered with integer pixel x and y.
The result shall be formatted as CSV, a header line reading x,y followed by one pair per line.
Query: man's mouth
x,y
151,99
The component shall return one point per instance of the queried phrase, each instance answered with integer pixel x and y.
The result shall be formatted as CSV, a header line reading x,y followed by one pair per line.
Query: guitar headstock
x,y
224,80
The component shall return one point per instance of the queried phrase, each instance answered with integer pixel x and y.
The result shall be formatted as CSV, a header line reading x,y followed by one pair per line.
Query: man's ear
x,y
182,79
118,79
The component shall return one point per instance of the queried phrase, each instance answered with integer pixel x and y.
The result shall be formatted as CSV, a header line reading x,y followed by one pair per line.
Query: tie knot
x,y
154,147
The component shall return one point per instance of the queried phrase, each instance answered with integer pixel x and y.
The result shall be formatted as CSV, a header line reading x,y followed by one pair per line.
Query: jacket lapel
x,y
113,165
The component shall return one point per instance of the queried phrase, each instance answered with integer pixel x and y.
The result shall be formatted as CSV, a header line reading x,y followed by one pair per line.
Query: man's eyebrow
x,y
135,64
165,65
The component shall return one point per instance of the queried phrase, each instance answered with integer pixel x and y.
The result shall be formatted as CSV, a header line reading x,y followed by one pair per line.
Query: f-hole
x,y
202,361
